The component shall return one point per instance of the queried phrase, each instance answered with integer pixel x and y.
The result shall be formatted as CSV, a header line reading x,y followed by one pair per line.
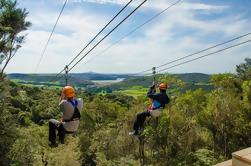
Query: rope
x,y
134,30
160,66
221,50
200,57
100,32
198,52
100,41
52,32
107,35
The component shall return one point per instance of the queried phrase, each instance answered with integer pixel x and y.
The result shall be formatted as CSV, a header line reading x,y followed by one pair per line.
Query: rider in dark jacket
x,y
158,101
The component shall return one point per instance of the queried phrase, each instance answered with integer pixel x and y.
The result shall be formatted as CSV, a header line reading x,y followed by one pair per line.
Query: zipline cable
x,y
107,35
100,31
52,32
209,48
221,50
200,57
179,58
134,30
95,36
100,41
149,74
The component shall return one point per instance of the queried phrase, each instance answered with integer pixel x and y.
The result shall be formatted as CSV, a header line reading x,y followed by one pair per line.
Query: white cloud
x,y
161,45
177,33
160,4
62,47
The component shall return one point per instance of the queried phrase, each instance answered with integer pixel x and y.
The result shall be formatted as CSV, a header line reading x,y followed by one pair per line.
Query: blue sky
x,y
190,26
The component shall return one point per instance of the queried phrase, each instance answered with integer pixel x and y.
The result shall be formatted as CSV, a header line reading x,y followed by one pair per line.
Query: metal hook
x,y
66,74
154,72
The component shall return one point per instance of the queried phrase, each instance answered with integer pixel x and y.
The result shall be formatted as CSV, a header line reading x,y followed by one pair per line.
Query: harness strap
x,y
76,114
74,103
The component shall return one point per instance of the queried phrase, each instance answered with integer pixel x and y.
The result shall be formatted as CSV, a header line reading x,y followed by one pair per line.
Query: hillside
x,y
192,80
191,130
79,80
193,77
94,82
81,76
183,135
36,78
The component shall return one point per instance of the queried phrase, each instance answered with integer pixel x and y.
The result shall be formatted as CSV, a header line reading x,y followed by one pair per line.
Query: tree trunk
x,y
45,162
6,63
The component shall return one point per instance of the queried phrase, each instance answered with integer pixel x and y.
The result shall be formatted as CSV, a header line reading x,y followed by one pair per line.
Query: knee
x,y
138,114
142,113
51,121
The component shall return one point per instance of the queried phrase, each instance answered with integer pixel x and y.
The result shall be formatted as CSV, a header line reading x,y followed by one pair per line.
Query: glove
x,y
155,83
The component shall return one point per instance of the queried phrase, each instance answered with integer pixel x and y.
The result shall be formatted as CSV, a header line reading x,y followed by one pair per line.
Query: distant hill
x,y
194,77
193,80
82,76
97,76
78,79
190,78
45,80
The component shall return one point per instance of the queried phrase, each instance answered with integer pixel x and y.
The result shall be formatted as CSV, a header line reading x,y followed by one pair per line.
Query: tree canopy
x,y
12,23
198,128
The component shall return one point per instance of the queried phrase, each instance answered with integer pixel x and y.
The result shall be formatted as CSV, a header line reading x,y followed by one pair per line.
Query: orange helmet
x,y
69,91
162,86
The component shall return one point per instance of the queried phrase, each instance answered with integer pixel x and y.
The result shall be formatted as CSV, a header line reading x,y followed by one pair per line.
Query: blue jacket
x,y
159,99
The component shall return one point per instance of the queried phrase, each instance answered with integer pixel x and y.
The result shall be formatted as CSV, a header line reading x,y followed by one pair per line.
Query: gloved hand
x,y
154,84
62,97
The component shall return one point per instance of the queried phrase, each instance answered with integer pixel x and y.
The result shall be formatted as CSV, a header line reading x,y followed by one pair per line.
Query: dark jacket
x,y
161,97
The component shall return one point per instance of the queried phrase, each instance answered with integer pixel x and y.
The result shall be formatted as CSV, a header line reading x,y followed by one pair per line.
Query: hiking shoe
x,y
53,144
134,132
62,141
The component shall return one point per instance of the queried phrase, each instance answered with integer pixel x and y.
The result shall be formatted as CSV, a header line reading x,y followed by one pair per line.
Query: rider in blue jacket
x,y
158,102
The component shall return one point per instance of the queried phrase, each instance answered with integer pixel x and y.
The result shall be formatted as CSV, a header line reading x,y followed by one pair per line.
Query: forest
x,y
198,128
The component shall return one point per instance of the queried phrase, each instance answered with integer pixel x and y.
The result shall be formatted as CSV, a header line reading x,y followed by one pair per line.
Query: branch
x,y
10,56
45,162
14,53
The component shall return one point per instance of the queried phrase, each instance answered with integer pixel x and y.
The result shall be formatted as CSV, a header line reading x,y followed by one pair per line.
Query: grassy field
x,y
134,91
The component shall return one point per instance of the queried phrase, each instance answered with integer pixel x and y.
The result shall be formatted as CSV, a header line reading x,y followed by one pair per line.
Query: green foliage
x,y
244,70
4,89
8,135
246,86
197,128
25,148
12,23
203,157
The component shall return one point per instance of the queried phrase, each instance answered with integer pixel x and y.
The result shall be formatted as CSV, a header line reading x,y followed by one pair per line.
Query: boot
x,y
53,144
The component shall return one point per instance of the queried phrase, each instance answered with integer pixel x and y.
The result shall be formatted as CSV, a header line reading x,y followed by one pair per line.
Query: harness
x,y
155,108
76,114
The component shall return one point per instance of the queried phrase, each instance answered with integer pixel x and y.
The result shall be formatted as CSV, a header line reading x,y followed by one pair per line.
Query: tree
x,y
244,70
12,22
8,135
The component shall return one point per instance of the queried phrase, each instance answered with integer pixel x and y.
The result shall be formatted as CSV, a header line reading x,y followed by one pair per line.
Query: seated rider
x,y
158,102
70,107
